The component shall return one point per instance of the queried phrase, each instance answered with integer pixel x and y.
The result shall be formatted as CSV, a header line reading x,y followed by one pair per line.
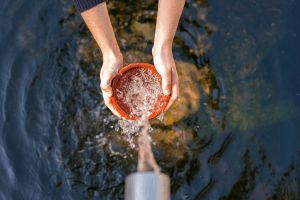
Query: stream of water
x,y
141,92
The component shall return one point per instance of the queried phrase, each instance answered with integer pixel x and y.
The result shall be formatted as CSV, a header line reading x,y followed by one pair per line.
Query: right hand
x,y
110,68
165,65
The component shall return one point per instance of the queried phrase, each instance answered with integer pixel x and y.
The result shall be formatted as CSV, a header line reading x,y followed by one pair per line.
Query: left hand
x,y
165,65
112,63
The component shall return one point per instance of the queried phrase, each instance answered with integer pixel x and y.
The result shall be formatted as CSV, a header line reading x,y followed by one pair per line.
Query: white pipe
x,y
146,186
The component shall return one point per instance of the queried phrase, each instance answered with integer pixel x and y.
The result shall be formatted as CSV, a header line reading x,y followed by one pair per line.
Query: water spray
x,y
138,95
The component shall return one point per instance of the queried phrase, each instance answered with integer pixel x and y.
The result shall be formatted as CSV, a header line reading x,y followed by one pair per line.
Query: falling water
x,y
141,94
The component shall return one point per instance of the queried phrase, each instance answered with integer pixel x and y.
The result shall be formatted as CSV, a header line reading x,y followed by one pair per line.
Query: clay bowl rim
x,y
115,81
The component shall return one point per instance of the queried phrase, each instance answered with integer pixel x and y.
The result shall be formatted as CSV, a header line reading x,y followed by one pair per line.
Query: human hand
x,y
165,65
110,68
168,15
97,20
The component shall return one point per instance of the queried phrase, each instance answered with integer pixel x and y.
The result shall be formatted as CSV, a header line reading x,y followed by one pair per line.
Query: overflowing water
x,y
141,91
142,128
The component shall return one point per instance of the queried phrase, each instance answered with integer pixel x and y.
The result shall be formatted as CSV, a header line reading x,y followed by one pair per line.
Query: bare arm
x,y
97,20
169,12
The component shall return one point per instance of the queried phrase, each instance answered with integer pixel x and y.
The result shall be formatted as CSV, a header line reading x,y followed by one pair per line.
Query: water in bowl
x,y
139,90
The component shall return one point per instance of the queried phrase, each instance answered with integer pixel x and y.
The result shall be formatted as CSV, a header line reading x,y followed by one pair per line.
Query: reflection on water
x,y
232,134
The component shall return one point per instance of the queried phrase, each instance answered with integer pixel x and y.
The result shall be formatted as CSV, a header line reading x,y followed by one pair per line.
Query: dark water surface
x,y
234,132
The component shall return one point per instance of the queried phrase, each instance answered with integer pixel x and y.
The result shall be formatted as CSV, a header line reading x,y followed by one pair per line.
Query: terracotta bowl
x,y
127,72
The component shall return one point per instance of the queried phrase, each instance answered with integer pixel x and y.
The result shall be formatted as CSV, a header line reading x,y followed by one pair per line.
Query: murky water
x,y
232,134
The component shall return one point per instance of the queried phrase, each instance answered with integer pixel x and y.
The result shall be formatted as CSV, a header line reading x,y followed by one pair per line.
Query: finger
x,y
108,102
174,96
175,92
105,84
166,82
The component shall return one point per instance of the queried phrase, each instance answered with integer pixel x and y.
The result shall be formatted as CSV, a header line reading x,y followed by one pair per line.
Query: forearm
x,y
169,12
97,20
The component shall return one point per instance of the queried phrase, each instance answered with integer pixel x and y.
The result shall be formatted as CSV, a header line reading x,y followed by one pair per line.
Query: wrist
x,y
115,55
162,49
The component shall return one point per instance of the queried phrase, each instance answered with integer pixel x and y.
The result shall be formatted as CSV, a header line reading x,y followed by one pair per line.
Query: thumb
x,y
166,83
105,85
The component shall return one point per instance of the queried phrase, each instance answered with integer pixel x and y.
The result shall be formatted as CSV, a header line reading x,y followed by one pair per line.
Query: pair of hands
x,y
164,64
169,11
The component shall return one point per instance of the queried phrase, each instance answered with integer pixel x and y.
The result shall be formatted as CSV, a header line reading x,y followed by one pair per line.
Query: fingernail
x,y
167,92
109,94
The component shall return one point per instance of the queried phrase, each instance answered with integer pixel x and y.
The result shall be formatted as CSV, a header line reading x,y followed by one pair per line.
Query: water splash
x,y
141,92
146,158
